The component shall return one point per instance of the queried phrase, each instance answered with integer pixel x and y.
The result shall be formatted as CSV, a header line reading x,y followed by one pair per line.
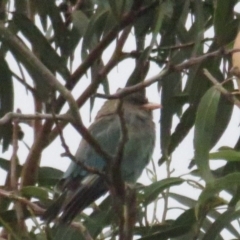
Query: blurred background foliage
x,y
44,37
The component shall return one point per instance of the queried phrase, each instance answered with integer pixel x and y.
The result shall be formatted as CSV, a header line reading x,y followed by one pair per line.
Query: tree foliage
x,y
56,44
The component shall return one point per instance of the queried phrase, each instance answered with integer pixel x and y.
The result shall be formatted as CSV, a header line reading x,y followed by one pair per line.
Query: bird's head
x,y
139,98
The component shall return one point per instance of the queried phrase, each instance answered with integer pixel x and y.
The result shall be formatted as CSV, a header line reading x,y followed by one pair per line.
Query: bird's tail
x,y
92,187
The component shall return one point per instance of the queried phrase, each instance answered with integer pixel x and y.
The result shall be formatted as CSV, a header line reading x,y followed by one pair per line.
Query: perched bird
x,y
79,187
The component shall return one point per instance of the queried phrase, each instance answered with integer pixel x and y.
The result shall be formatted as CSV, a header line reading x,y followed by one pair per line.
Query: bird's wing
x,y
106,132
81,188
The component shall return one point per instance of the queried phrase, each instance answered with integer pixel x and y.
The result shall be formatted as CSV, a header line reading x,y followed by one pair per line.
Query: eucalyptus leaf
x,y
228,155
204,125
151,192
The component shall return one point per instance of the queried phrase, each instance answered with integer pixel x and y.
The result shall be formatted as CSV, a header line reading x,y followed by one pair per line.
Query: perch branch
x,y
36,209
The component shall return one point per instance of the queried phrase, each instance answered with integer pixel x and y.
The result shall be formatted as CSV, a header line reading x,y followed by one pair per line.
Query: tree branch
x,y
37,116
178,67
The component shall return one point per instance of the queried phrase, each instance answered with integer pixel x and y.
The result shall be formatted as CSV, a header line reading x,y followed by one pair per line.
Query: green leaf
x,y
225,219
41,9
80,21
151,192
228,155
184,200
170,88
61,33
5,165
213,214
165,8
223,116
218,185
63,232
170,29
204,125
19,51
36,192
48,176
94,31
10,216
150,230
198,28
182,129
102,217
181,226
224,23
116,7
41,46
144,24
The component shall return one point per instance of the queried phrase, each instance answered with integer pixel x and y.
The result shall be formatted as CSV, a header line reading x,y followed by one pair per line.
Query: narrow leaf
x,y
225,219
218,185
223,19
228,155
44,50
48,176
204,125
36,192
151,192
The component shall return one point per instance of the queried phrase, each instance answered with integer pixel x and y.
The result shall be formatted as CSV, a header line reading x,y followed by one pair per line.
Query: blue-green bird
x,y
79,187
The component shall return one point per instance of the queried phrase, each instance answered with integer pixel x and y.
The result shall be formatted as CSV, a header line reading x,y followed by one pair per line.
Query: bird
x,y
79,187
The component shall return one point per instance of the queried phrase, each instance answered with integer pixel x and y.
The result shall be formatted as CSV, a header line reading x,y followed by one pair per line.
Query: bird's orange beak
x,y
152,106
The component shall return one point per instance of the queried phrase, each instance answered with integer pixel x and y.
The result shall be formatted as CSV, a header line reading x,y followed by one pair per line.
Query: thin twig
x,y
37,116
129,90
180,46
178,67
221,89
